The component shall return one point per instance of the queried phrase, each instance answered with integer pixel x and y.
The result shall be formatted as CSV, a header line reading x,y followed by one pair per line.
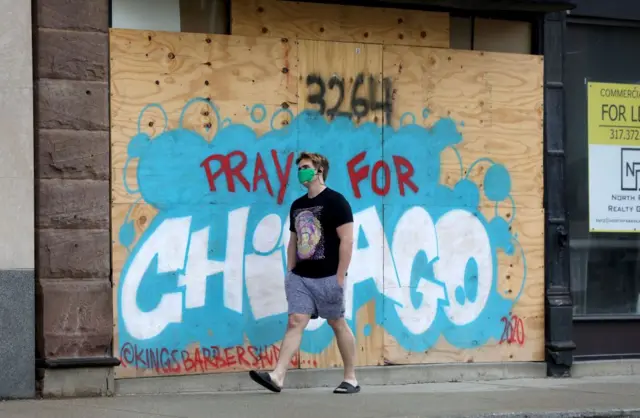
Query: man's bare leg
x,y
347,347
289,346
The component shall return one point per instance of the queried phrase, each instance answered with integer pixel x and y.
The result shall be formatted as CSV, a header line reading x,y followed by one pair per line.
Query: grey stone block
x,y
17,328
75,317
72,55
69,154
87,15
624,367
71,204
78,105
81,382
73,253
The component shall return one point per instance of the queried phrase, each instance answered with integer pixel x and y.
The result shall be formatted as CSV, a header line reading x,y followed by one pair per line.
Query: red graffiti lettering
x,y
164,360
254,355
217,355
283,176
176,362
226,169
356,176
513,330
241,360
230,359
404,178
198,361
138,357
404,174
374,178
208,358
233,164
260,173
201,359
236,171
187,363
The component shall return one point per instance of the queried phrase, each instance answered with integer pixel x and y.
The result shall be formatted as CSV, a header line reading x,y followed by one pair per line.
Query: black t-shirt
x,y
315,221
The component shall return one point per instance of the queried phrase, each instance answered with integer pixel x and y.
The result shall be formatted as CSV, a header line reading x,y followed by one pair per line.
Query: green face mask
x,y
306,174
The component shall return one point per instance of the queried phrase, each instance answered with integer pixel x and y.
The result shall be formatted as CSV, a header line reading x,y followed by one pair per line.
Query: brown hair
x,y
319,162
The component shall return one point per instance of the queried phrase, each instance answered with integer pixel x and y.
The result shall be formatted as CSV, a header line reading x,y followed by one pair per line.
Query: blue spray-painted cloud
x,y
172,178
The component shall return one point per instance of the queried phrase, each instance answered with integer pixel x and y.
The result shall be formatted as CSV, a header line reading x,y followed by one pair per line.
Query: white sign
x,y
614,157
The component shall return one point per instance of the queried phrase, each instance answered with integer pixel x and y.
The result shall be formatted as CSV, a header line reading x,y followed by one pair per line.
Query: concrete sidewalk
x,y
575,397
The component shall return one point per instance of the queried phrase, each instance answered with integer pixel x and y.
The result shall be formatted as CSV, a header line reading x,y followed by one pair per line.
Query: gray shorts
x,y
316,297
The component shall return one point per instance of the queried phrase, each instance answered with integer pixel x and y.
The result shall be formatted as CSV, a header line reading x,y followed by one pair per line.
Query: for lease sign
x,y
614,157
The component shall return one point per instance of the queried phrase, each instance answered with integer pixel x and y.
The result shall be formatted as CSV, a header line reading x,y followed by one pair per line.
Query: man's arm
x,y
345,233
291,251
293,242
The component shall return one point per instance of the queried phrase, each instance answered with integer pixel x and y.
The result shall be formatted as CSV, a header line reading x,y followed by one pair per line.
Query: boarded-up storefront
x,y
438,151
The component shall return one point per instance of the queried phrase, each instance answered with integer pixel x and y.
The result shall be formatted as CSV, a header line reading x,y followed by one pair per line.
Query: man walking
x,y
318,257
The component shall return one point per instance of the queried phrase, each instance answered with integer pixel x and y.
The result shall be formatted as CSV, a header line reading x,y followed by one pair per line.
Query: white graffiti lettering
x,y
408,241
169,244
262,272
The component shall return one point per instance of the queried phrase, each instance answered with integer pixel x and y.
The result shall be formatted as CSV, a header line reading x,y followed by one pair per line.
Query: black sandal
x,y
347,388
264,380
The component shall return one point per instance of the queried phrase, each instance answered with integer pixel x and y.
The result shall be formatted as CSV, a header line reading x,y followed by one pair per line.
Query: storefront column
x,y
558,304
73,287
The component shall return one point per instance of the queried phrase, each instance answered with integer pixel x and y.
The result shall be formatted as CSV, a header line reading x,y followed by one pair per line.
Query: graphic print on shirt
x,y
309,231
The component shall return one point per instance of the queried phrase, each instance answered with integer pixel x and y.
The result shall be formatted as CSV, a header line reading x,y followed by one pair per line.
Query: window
x,y
495,35
605,267
198,16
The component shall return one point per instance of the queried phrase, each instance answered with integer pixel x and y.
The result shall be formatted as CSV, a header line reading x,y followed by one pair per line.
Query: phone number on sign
x,y
631,134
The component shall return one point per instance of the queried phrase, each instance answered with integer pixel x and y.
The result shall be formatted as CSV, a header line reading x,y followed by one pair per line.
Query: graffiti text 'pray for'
x,y
234,168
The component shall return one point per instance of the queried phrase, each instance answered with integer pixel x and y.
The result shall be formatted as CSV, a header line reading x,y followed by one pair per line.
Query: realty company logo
x,y
629,168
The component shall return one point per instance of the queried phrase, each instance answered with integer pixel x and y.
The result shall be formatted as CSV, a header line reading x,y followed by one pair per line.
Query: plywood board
x,y
481,299
438,152
494,99
514,334
329,22
176,100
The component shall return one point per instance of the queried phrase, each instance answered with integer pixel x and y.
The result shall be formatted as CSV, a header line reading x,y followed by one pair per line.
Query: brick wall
x,y
74,302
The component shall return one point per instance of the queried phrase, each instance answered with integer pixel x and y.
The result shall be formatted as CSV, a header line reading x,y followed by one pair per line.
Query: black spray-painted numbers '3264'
x,y
360,105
